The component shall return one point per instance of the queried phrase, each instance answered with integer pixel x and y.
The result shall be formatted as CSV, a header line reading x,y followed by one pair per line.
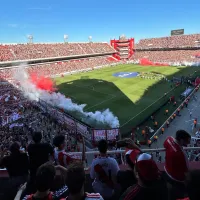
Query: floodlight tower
x,y
65,38
90,38
30,39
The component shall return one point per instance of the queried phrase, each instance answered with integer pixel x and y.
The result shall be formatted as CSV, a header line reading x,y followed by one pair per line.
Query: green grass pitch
x,y
132,100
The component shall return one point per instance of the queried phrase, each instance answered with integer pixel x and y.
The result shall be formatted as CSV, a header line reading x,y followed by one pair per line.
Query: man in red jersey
x,y
176,163
61,157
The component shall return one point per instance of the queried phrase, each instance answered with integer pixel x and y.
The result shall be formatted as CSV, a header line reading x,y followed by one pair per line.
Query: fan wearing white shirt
x,y
104,170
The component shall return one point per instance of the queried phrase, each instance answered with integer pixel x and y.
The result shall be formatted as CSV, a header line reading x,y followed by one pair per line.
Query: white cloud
x,y
13,25
40,8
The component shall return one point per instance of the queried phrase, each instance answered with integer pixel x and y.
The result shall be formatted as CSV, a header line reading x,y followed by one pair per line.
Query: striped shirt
x,y
57,195
90,196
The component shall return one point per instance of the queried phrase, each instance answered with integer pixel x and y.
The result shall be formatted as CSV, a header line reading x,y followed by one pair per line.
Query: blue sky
x,y
49,20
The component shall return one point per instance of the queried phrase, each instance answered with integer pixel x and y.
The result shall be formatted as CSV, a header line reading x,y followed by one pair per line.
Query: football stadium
x,y
89,119
132,95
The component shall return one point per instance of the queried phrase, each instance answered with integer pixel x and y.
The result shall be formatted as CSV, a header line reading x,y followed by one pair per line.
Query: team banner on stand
x,y
108,134
112,134
99,135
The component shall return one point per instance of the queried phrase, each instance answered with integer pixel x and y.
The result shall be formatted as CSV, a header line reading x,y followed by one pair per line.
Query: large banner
x,y
108,134
99,135
112,134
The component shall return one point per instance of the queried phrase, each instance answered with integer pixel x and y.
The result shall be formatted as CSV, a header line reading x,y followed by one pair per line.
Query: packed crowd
x,y
168,56
61,67
37,150
52,173
26,149
178,41
27,119
34,51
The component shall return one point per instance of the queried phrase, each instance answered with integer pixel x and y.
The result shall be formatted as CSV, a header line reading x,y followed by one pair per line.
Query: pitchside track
x,y
132,100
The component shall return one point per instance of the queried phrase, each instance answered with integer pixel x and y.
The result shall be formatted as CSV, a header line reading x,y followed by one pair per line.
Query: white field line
x,y
86,87
101,103
146,108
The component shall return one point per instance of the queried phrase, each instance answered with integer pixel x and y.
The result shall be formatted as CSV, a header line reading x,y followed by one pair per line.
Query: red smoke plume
x,y
146,62
42,82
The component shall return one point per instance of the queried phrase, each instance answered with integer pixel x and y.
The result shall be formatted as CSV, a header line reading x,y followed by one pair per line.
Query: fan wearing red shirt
x,y
176,162
61,157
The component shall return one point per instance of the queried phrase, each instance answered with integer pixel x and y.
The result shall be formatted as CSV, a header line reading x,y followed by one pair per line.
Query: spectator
x,y
150,184
39,153
44,180
16,163
61,157
176,163
104,171
127,178
17,166
75,182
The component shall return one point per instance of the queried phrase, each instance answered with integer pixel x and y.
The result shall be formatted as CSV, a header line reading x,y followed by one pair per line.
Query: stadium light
x,y
90,38
65,38
30,39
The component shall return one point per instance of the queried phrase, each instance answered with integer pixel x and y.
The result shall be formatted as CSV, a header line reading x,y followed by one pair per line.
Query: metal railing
x,y
192,152
121,159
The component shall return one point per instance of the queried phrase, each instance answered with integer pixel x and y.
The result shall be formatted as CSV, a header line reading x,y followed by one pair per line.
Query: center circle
x,y
126,74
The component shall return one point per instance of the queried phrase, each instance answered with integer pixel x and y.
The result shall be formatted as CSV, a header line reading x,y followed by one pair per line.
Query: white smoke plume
x,y
105,118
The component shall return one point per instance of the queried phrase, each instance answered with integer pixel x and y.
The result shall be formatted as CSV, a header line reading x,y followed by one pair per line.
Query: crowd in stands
x,y
61,67
168,56
168,43
178,41
29,118
52,173
34,51
36,149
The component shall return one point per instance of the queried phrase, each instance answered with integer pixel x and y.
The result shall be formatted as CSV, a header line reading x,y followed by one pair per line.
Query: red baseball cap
x,y
133,154
147,167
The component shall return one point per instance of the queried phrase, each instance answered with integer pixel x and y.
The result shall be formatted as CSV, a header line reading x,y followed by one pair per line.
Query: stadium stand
x,y
178,41
20,119
57,68
173,49
171,56
35,51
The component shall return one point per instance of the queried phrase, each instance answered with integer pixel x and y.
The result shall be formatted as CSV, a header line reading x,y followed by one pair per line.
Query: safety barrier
x,y
90,156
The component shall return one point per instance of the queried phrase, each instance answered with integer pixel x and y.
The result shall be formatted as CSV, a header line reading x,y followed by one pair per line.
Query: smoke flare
x,y
36,88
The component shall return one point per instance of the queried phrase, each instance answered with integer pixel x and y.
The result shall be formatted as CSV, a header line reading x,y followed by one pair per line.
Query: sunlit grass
x,y
126,97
